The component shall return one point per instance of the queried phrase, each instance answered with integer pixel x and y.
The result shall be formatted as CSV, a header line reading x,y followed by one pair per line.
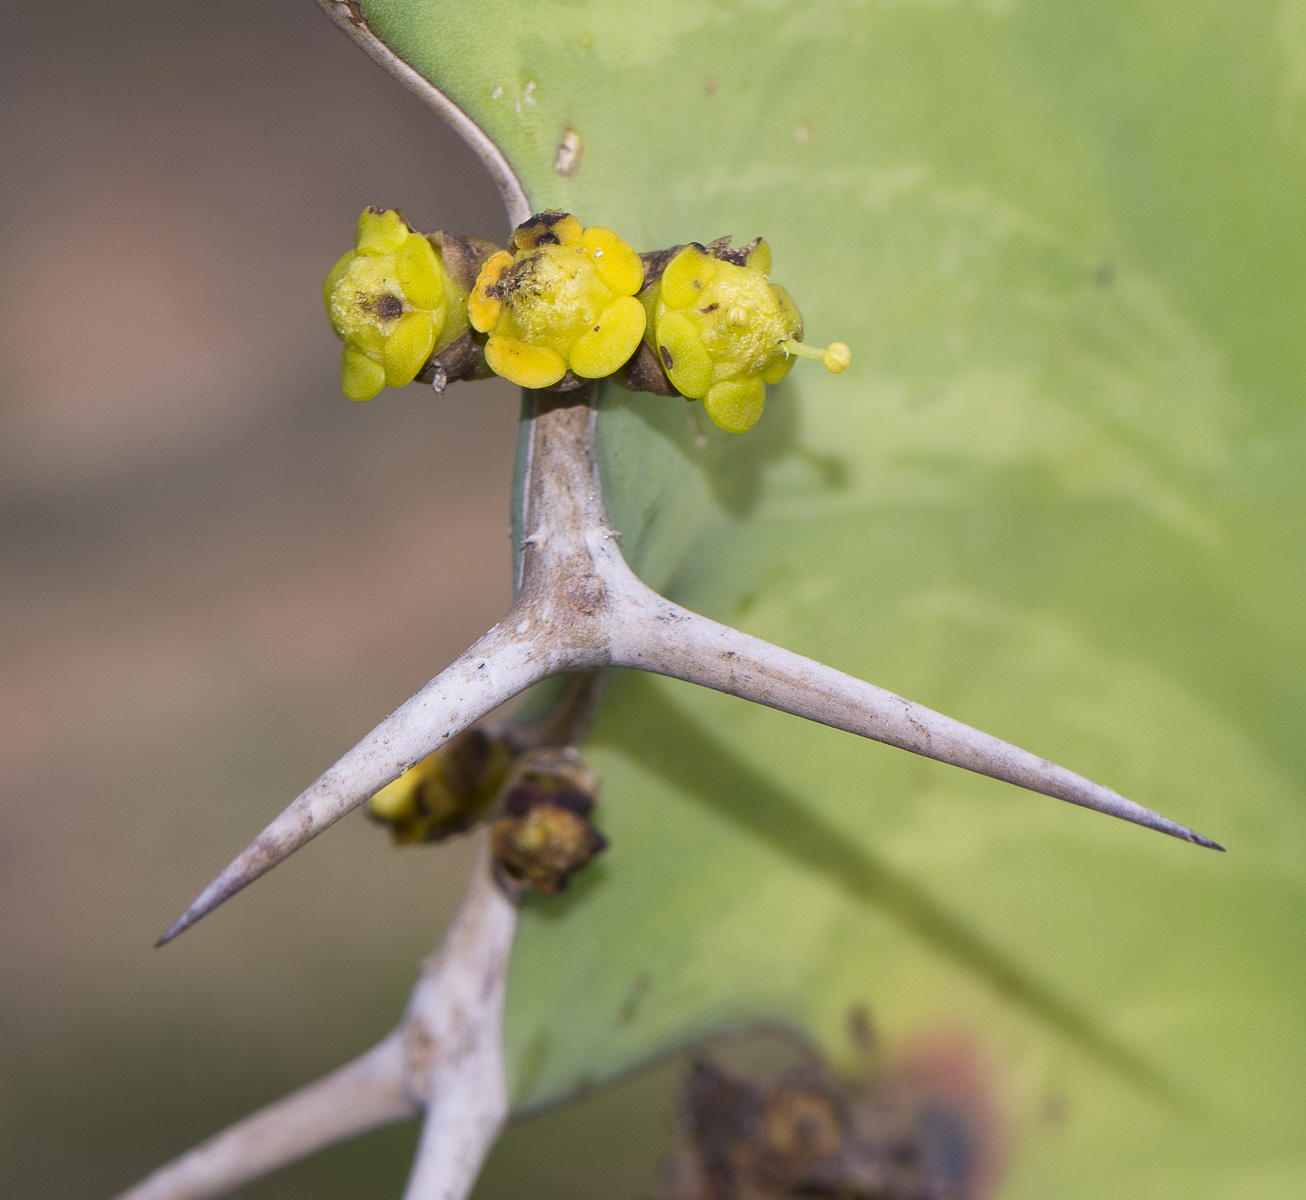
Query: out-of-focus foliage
x,y
1058,495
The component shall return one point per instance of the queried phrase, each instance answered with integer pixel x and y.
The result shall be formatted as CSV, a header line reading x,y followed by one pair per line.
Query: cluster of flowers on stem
x,y
562,304
537,802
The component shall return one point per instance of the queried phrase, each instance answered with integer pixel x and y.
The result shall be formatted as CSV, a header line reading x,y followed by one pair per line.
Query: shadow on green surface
x,y
707,770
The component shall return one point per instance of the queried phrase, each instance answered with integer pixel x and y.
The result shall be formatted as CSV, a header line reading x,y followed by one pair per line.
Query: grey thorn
x,y
498,667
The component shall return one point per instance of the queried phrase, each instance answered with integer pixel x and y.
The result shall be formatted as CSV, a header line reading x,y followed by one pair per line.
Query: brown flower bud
x,y
543,835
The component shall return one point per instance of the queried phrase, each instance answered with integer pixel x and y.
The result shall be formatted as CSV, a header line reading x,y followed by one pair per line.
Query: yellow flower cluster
x,y
393,303
561,304
447,791
560,298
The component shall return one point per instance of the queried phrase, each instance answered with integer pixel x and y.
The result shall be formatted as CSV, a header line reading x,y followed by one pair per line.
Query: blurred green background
x,y
215,574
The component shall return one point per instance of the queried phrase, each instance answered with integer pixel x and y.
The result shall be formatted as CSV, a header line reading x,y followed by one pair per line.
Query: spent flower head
x,y
543,834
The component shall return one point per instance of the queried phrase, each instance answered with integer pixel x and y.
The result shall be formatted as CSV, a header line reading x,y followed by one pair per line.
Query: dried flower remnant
x,y
560,299
722,331
543,835
398,300
899,1134
448,791
570,152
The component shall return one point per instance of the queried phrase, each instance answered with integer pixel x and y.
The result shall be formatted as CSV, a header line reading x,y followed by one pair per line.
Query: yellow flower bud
x,y
561,298
722,331
395,302
447,791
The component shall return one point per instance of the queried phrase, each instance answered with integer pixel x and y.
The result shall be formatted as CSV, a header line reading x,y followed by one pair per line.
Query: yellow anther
x,y
737,316
835,357
564,298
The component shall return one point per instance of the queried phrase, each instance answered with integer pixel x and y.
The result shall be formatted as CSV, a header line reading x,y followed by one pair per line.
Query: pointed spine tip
x,y
180,925
1180,832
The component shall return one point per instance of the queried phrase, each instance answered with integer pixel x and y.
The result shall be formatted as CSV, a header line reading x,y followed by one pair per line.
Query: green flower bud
x,y
721,330
561,299
398,300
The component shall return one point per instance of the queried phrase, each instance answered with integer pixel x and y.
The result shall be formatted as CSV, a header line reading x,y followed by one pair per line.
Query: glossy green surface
x,y
1058,495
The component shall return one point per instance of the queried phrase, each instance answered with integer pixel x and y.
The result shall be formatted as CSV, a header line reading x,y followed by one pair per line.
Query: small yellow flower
x,y
722,330
394,303
560,298
447,791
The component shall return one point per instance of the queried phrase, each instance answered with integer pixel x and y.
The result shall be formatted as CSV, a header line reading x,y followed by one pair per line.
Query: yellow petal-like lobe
x,y
525,365
687,274
684,357
407,348
360,377
333,277
777,368
419,272
568,230
547,229
380,232
613,338
615,260
397,801
369,340
483,308
736,406
759,257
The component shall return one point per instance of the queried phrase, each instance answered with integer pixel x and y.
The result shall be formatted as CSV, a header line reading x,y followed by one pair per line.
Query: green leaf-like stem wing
x,y
1058,495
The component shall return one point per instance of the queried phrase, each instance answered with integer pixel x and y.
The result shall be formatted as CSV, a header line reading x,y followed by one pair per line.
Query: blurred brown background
x,y
215,574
